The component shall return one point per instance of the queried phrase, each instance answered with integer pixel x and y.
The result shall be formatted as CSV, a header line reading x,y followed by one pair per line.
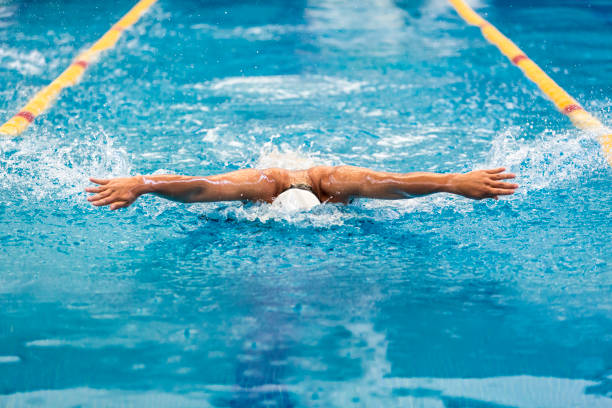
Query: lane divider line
x,y
562,100
45,97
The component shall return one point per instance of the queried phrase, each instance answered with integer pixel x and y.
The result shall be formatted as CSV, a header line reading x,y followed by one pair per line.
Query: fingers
x,y
99,196
503,176
98,181
105,195
104,201
95,189
114,202
119,204
501,191
495,171
500,187
500,184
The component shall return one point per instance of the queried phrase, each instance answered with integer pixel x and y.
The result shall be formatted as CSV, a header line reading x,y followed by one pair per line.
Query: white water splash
x,y
268,32
26,63
551,158
282,87
47,167
287,158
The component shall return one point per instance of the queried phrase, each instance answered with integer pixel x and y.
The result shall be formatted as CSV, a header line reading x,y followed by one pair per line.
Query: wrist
x,y
143,185
449,183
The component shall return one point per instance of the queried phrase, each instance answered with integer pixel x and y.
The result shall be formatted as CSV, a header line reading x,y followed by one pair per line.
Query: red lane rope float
x,y
562,100
45,97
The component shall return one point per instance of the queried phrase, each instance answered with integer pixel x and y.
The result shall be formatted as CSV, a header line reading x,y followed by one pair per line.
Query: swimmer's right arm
x,y
248,184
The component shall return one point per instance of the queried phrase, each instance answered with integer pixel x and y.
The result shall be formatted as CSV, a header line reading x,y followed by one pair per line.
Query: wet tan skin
x,y
330,184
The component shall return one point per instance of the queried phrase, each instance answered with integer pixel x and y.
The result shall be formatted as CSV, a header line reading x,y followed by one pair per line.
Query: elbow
x,y
198,194
192,195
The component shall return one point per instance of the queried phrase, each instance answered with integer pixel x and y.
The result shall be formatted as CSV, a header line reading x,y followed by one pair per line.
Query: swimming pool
x,y
437,301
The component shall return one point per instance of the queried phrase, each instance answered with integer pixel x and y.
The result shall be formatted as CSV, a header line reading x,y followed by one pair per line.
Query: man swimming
x,y
300,188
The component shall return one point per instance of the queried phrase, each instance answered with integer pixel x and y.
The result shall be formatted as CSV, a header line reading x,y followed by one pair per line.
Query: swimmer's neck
x,y
298,177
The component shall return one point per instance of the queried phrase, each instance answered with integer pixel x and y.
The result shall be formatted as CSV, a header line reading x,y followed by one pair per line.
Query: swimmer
x,y
300,189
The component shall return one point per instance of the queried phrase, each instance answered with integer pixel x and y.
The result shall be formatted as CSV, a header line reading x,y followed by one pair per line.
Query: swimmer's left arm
x,y
247,184
345,182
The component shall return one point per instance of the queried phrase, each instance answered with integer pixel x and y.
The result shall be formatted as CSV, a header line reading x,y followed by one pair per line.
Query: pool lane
x,y
562,100
44,98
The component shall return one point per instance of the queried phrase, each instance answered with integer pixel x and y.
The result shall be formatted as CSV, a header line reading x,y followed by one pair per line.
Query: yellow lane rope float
x,y
41,101
564,102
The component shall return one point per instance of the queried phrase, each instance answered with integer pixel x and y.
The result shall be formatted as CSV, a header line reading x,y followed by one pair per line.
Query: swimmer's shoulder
x,y
320,171
320,181
319,174
276,174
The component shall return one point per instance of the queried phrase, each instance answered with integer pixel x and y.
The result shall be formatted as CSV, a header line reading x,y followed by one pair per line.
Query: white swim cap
x,y
296,199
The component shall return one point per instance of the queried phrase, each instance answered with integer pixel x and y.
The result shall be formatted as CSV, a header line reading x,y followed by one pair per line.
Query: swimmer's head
x,y
296,199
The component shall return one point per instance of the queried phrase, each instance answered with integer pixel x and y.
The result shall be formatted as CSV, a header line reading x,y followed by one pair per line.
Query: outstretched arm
x,y
249,184
345,182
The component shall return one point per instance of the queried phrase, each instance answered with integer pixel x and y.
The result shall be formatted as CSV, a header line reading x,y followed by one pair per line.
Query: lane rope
x,y
562,100
45,97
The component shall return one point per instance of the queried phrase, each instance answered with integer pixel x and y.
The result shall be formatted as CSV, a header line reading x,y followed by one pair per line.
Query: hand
x,y
117,192
479,184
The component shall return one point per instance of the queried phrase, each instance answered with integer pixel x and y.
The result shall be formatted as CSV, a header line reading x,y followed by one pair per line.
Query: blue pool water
x,y
432,302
